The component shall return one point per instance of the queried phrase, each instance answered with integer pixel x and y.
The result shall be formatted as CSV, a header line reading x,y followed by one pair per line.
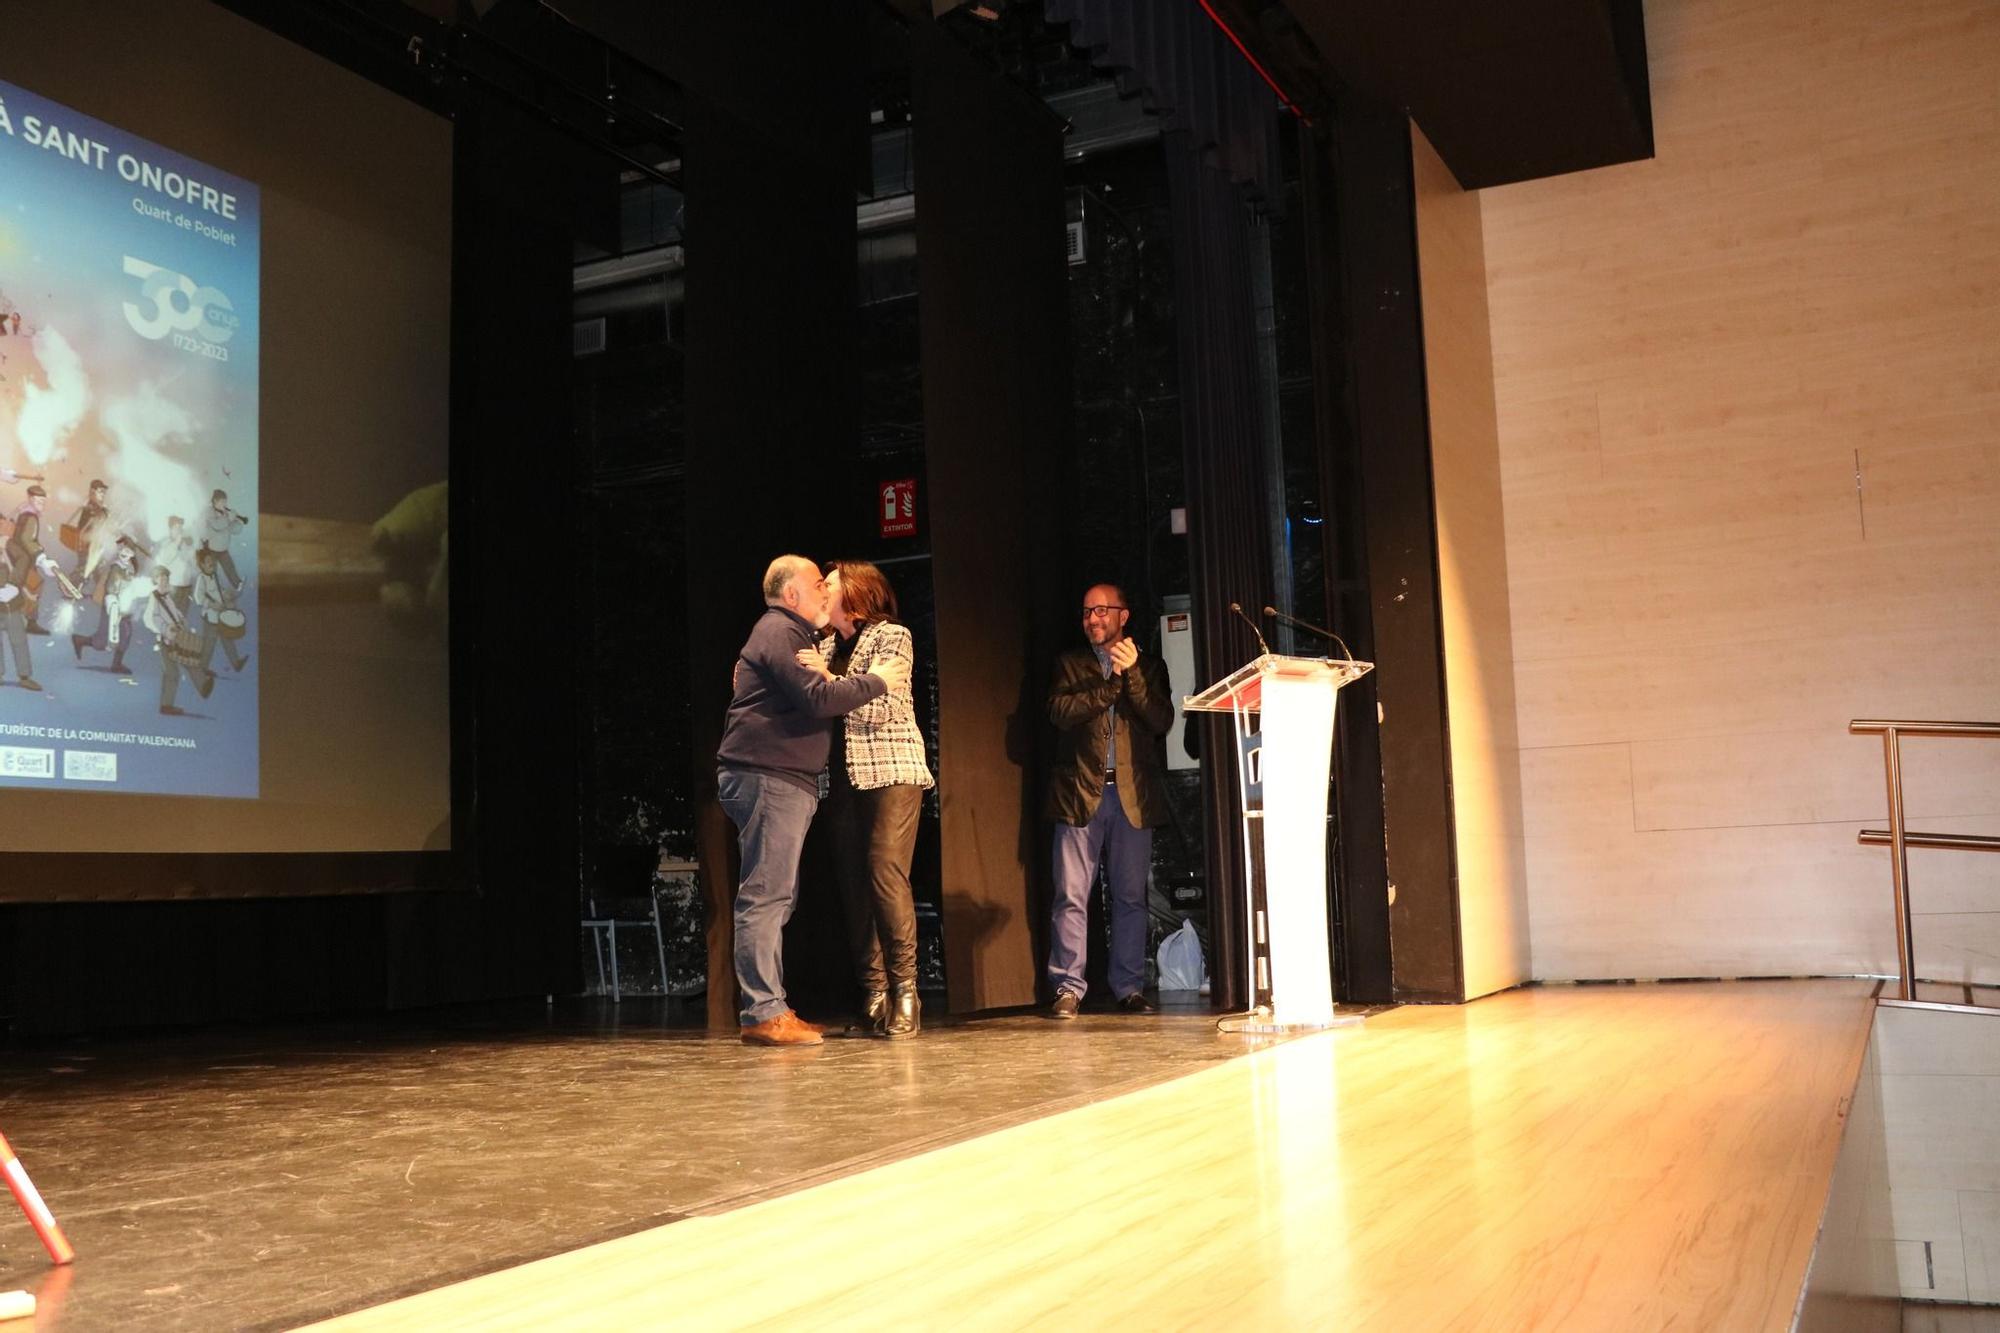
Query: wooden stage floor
x,y
1603,1158
261,1179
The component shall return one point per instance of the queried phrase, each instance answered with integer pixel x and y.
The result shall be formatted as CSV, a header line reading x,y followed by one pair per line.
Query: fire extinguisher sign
x,y
896,506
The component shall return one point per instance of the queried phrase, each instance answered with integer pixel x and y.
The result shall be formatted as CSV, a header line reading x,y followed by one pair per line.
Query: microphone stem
x,y
1237,607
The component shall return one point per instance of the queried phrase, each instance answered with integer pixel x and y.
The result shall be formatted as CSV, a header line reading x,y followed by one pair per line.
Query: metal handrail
x,y
1942,842
1869,726
1899,837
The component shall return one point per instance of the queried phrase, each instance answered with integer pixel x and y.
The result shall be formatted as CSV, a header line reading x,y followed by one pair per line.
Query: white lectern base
x,y
1261,1024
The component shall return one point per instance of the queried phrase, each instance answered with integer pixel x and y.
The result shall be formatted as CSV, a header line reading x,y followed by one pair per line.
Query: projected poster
x,y
128,461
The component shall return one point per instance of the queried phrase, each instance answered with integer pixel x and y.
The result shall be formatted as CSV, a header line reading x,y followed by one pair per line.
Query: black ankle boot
x,y
907,1013
875,1014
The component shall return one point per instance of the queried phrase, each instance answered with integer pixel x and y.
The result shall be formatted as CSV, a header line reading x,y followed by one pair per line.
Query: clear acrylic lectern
x,y
1284,759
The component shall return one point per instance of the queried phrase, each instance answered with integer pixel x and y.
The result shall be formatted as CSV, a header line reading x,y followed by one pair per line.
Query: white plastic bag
x,y
1181,966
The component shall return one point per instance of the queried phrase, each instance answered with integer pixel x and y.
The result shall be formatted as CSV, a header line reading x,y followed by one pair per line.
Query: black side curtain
x,y
1220,136
1227,525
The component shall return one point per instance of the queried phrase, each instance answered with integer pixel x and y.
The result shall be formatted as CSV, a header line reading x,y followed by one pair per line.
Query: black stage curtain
x,y
776,141
521,193
1228,536
1220,135
1219,132
772,419
993,301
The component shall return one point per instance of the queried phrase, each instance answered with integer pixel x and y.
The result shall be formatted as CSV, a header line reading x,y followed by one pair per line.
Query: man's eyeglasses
x,y
1103,612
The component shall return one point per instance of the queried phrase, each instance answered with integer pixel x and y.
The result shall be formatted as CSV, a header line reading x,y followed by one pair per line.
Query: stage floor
x,y
263,1180
1628,1157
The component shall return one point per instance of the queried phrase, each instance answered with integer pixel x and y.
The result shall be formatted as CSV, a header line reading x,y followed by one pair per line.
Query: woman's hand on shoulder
x,y
812,659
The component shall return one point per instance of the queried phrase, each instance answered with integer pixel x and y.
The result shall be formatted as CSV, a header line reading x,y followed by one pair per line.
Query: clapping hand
x,y
1124,655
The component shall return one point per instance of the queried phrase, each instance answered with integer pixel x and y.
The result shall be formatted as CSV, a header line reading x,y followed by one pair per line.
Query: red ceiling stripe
x,y
1262,73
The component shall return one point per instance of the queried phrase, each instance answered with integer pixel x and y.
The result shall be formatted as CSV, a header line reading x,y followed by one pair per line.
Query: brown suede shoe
x,y
784,1030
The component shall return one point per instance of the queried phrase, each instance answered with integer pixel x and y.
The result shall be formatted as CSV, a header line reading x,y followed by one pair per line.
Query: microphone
x,y
1273,613
1237,607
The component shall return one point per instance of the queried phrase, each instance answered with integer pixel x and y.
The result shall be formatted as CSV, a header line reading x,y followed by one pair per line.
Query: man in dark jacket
x,y
24,550
775,743
1111,707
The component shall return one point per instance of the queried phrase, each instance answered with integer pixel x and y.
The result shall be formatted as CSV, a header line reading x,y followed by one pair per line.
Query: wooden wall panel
x,y
1694,357
1490,862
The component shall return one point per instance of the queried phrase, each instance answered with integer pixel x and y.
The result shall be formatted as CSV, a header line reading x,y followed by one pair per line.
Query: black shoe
x,y
33,628
30,683
171,711
875,1014
1064,1006
76,645
1137,1003
907,1013
121,668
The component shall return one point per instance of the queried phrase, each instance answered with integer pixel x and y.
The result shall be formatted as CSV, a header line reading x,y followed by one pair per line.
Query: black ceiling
x,y
1504,92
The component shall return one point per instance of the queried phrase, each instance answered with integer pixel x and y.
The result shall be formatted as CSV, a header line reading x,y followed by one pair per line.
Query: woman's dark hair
x,y
865,592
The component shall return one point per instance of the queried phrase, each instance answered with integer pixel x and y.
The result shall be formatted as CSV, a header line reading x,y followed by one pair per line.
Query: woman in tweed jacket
x,y
875,793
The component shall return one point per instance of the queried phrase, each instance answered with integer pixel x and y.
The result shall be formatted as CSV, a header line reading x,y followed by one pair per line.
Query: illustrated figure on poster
x,y
123,590
10,477
178,643
25,553
215,602
14,623
219,525
175,553
87,534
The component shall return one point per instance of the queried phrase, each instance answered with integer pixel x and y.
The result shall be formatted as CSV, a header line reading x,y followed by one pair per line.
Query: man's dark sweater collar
x,y
794,616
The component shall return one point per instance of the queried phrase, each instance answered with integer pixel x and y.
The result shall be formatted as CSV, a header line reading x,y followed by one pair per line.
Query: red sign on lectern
x,y
896,506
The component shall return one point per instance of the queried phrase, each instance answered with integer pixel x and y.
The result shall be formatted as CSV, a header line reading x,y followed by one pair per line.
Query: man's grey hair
x,y
781,572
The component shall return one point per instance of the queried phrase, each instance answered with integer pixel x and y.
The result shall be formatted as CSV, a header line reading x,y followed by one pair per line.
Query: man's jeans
x,y
771,816
1127,854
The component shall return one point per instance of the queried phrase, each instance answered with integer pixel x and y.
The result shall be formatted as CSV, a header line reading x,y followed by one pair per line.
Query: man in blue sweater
x,y
775,743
